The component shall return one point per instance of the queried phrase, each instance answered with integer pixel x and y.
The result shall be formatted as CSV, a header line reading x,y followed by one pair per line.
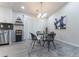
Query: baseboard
x,y
68,43
4,44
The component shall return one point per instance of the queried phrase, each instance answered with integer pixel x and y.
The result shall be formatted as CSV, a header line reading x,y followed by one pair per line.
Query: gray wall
x,y
71,34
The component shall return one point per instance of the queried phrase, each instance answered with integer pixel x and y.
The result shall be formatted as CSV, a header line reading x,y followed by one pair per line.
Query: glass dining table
x,y
41,36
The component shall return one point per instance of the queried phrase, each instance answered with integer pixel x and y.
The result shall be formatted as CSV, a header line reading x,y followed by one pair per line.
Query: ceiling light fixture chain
x,y
41,9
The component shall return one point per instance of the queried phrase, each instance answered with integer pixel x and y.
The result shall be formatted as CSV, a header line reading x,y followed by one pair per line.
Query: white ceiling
x,y
33,8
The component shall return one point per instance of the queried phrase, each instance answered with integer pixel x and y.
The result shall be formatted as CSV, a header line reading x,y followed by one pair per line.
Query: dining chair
x,y
40,36
50,38
34,39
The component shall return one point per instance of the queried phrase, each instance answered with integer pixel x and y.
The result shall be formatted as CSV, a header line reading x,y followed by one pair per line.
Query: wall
x,y
70,35
5,15
31,24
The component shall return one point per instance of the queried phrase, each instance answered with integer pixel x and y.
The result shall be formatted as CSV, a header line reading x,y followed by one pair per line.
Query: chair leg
x,y
40,42
48,45
43,43
33,44
54,44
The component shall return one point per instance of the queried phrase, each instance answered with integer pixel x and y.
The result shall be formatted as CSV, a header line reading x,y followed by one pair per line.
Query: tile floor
x,y
24,49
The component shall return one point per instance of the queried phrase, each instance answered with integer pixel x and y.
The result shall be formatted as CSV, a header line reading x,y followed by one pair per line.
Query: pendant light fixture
x,y
41,14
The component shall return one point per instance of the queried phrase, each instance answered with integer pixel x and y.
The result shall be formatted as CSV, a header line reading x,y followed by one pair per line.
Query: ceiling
x,y
34,8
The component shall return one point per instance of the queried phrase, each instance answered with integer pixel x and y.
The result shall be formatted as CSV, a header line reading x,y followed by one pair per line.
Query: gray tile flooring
x,y
62,50
24,49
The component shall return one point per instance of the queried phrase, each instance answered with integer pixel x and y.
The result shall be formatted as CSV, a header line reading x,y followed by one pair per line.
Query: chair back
x,y
33,36
38,32
51,36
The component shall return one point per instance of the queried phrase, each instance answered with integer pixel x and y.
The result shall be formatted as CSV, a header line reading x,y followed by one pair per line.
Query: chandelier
x,y
42,14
